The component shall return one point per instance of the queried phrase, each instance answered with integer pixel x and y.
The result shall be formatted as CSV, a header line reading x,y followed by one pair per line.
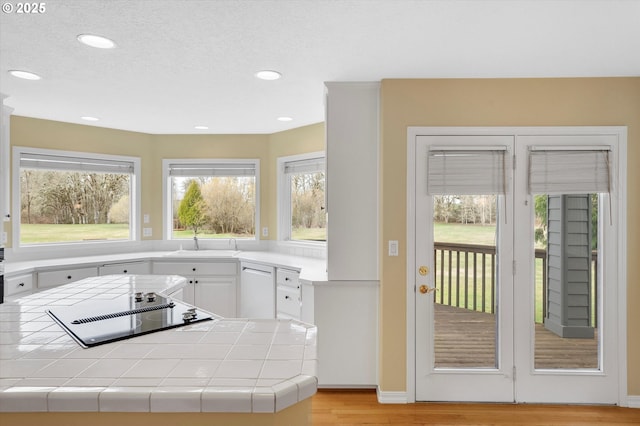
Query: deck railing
x,y
465,277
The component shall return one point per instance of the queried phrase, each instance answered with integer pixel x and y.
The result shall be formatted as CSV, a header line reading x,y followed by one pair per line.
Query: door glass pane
x,y
465,235
566,281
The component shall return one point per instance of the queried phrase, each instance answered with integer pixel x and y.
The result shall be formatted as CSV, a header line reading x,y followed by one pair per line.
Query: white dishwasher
x,y
257,291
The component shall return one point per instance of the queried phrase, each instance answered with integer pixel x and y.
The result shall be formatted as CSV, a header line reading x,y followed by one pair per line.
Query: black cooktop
x,y
92,323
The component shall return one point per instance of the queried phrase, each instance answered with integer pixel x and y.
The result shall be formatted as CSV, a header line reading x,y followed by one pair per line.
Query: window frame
x,y
134,197
167,212
284,200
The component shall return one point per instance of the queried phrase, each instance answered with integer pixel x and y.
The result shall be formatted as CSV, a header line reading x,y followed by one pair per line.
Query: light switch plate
x,y
146,232
393,248
4,238
145,218
265,232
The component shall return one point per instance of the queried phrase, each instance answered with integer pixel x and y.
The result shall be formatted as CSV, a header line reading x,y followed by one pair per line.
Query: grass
x,y
473,234
47,233
309,234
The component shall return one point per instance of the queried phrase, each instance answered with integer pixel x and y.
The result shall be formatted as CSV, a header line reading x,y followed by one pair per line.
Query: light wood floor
x,y
466,338
360,407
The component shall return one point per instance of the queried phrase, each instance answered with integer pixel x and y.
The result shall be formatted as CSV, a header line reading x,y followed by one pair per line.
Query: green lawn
x,y
309,234
47,233
472,234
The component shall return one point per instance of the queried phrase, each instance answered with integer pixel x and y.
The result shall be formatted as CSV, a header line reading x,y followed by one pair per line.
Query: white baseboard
x,y
391,397
633,401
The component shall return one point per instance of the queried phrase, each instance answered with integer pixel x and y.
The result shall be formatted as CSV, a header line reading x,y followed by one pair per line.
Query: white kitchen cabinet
x,y
288,294
257,291
352,140
18,284
142,267
346,314
216,295
53,278
210,285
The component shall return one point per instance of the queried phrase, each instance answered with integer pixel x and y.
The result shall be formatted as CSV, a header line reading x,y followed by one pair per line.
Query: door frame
x,y
620,179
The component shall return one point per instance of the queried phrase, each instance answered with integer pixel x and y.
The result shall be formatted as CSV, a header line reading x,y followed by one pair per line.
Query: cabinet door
x,y
216,295
64,276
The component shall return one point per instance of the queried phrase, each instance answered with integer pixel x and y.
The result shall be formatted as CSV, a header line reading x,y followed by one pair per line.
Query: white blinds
x,y
468,170
569,171
212,169
69,163
309,165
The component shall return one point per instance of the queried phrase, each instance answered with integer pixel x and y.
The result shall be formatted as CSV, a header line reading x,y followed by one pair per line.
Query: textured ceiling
x,y
184,63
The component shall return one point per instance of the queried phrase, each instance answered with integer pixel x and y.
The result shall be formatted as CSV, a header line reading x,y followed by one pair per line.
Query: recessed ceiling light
x,y
25,75
201,127
88,118
285,119
268,75
96,41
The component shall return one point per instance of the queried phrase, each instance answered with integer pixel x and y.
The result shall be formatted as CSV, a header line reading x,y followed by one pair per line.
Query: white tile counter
x,y
224,365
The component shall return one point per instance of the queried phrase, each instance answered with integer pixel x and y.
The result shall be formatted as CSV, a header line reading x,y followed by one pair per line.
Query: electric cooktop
x,y
92,323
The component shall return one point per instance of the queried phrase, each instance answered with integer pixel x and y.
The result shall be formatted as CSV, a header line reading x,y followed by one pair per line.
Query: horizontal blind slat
x,y
61,162
569,172
478,171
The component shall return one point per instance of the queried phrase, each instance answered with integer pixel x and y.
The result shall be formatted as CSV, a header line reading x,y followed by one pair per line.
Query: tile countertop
x,y
311,269
225,365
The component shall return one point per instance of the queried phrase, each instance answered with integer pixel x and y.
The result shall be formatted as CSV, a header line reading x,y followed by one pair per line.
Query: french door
x,y
515,275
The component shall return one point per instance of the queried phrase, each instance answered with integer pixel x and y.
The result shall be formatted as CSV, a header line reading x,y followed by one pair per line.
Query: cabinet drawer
x,y
55,278
288,277
18,284
288,301
192,269
126,268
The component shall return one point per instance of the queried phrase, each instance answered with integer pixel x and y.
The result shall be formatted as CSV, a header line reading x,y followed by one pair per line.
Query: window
x,y
211,199
73,197
301,198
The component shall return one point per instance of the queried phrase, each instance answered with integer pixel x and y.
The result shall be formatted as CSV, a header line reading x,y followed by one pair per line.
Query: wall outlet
x,y
145,218
393,248
265,231
146,232
4,238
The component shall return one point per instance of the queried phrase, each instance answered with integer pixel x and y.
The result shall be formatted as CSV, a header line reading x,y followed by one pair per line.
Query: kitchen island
x,y
225,371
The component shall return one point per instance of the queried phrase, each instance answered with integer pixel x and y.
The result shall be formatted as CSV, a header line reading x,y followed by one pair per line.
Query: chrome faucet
x,y
195,242
235,243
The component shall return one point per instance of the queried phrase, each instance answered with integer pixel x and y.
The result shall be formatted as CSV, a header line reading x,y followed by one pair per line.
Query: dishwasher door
x,y
257,291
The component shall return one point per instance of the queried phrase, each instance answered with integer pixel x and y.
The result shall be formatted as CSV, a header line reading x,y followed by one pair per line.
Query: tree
x,y
191,211
119,211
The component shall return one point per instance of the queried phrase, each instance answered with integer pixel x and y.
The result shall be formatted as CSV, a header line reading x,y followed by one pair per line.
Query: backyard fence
x,y
465,277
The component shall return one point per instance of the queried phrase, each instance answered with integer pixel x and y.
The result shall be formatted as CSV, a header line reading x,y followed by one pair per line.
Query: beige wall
x,y
291,142
32,132
494,102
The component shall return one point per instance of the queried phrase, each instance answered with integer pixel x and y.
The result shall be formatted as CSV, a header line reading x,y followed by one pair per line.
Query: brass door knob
x,y
424,289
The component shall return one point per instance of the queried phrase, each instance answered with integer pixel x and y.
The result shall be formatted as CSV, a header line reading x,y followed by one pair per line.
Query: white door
x,y
445,371
486,328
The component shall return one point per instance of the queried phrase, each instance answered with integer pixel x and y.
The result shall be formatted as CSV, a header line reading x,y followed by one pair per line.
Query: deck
x,y
466,339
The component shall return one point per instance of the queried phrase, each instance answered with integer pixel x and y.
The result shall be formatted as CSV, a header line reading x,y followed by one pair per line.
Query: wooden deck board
x,y
465,339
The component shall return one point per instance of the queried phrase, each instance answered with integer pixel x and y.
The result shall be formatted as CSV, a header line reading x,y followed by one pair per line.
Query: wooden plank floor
x,y
330,407
466,338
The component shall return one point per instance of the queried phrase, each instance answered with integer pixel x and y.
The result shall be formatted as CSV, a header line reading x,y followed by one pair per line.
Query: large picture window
x,y
73,197
301,198
211,199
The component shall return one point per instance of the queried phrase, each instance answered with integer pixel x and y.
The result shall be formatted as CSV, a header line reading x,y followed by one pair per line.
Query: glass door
x,y
464,284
